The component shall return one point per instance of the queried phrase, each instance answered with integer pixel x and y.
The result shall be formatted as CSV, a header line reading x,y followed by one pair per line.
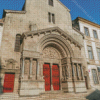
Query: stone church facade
x,y
40,51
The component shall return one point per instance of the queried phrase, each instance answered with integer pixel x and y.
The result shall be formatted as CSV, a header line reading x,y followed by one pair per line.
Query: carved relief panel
x,y
75,70
34,64
79,71
27,66
51,52
64,72
69,70
11,64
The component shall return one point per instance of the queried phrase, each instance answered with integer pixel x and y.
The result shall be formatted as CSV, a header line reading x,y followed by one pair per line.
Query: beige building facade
x,y
40,50
92,48
1,30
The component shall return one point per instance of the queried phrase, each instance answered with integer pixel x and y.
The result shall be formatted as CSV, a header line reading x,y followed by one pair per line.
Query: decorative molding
x,y
53,29
88,22
15,11
10,64
11,61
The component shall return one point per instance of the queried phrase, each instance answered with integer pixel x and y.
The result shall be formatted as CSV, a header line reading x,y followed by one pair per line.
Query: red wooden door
x,y
55,77
46,74
8,83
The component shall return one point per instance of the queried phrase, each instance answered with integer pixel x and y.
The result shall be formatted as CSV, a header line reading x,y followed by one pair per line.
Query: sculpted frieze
x,y
32,54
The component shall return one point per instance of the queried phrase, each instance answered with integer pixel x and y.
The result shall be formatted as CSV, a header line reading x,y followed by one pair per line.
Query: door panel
x,y
8,83
55,77
46,74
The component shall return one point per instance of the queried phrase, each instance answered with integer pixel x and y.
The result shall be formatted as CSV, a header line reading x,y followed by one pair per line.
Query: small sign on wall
x,y
89,70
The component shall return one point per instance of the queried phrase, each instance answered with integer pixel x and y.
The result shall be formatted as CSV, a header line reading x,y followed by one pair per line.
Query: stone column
x,y
41,70
82,72
30,71
63,73
77,71
51,76
23,62
73,77
67,72
73,74
37,69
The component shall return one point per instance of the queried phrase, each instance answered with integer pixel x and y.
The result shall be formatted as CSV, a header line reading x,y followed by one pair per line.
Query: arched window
x,y
17,43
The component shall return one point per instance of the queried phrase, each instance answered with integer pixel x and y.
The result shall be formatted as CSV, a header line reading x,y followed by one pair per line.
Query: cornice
x,y
15,11
87,21
50,30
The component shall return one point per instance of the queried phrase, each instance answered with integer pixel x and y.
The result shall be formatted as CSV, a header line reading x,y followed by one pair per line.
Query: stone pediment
x,y
51,30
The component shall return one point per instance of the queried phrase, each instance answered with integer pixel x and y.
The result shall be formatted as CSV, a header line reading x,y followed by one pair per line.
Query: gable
x,y
26,1
50,30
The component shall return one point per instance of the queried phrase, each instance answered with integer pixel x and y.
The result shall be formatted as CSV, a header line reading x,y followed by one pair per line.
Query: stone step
x,y
47,96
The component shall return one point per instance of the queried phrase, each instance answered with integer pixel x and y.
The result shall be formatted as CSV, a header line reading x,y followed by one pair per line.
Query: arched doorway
x,y
56,53
51,70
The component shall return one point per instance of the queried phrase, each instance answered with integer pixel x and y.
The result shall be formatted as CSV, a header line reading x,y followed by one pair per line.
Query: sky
x,y
88,9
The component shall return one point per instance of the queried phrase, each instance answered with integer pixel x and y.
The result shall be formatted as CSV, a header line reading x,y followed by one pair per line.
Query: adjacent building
x,y
92,48
40,50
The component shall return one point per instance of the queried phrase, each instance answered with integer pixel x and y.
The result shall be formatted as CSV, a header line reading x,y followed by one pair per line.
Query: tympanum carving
x,y
50,52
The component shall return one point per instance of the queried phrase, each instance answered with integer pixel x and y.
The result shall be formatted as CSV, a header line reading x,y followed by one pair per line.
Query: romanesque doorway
x,y
51,77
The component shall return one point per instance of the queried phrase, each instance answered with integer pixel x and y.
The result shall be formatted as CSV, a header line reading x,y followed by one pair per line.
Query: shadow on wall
x,y
94,95
0,80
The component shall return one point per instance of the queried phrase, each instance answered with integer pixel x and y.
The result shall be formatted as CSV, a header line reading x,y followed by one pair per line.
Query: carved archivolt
x,y
58,42
50,52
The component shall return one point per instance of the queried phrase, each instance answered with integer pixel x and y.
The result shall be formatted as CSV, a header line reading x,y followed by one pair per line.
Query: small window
x,y
49,17
95,34
86,31
90,52
95,78
98,72
17,43
53,18
51,2
98,52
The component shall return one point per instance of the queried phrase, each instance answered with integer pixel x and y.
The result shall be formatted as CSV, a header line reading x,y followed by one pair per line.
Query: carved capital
x,y
23,58
31,59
